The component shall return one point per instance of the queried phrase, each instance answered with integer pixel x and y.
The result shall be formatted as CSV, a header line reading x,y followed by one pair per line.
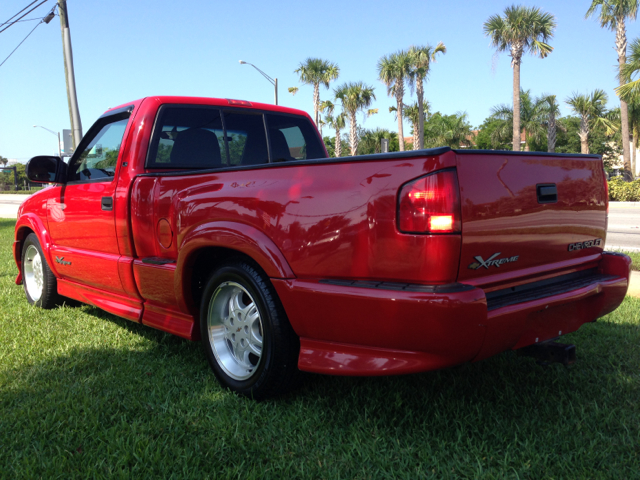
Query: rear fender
x,y
243,238
26,224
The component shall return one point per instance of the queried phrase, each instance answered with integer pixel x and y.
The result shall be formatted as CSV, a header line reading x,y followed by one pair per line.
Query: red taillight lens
x,y
430,204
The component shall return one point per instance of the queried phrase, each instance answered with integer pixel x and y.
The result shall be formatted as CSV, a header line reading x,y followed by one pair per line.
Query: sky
x,y
125,50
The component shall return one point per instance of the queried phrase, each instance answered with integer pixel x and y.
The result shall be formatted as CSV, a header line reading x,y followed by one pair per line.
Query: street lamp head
x,y
242,62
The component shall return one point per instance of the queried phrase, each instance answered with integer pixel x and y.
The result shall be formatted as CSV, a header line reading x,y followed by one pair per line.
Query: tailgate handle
x,y
107,203
547,193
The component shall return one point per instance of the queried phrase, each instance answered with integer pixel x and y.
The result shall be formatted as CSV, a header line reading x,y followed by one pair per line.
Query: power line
x,y
18,13
34,28
20,18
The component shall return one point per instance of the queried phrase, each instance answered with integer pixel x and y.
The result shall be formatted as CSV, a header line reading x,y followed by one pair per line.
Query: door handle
x,y
547,193
107,203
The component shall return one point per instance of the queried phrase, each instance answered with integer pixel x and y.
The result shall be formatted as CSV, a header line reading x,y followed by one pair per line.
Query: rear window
x,y
187,137
194,137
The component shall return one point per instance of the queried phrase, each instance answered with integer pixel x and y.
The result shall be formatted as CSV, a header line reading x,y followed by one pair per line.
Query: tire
x,y
247,338
40,285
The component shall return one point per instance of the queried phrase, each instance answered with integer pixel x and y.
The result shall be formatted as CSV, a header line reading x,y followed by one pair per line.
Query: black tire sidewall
x,y
240,273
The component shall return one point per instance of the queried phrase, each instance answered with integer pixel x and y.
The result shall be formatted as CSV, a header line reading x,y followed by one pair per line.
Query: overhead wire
x,y
18,13
29,34
20,18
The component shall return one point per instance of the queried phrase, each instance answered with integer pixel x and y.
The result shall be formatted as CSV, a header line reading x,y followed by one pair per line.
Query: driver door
x,y
81,214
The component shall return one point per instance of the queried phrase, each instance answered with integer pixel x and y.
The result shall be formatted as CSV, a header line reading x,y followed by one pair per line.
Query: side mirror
x,y
45,169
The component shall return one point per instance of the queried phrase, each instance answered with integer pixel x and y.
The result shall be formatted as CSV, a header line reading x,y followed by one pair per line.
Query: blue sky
x,y
124,50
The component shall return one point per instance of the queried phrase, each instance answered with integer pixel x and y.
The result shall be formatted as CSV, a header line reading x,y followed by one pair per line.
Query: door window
x,y
100,150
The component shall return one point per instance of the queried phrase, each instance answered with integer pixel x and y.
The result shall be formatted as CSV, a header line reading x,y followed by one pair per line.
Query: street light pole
x,y
273,81
74,113
55,133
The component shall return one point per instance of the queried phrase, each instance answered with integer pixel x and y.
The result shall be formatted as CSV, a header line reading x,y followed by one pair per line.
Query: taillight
x,y
430,204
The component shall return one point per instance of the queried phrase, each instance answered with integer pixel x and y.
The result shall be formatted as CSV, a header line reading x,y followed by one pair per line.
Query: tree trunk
x,y
634,156
338,146
420,94
621,47
316,101
399,98
516,102
551,132
584,135
353,133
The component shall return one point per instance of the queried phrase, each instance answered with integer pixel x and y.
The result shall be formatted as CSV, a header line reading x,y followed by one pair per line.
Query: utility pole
x,y
74,113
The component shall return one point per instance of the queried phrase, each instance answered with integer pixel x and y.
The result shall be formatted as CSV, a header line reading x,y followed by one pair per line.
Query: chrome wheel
x,y
234,330
33,273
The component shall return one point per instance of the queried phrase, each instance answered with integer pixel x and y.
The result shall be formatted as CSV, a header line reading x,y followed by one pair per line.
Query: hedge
x,y
621,191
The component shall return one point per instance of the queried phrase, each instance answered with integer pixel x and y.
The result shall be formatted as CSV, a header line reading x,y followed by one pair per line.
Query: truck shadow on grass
x,y
146,403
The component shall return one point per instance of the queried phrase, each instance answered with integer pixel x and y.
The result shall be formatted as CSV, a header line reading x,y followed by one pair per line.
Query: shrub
x,y
621,191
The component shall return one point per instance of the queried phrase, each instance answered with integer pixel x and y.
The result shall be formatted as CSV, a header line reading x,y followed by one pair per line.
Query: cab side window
x,y
292,138
100,150
186,138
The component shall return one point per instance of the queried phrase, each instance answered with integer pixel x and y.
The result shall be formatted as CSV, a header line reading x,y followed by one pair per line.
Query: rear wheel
x,y
40,284
247,338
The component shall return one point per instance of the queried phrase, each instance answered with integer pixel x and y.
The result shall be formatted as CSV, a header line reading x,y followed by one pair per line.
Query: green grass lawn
x,y
84,394
635,258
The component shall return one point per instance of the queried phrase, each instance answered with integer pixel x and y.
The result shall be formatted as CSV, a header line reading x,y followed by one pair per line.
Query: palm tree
x,y
355,97
337,122
371,140
552,110
592,112
412,113
533,118
613,14
521,30
447,130
421,59
634,127
315,71
392,71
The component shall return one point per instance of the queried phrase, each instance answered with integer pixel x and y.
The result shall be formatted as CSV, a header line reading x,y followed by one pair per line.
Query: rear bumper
x,y
363,328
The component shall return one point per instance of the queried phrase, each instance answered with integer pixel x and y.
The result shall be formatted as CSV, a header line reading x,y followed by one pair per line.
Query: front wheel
x,y
40,284
247,338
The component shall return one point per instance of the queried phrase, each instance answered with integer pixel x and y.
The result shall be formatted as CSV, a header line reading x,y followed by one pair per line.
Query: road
x,y
9,205
624,227
623,232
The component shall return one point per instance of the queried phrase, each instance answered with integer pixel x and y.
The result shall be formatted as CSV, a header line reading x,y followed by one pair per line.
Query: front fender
x,y
236,236
31,222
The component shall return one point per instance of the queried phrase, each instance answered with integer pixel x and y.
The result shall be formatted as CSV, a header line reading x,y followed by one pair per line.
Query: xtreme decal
x,y
492,261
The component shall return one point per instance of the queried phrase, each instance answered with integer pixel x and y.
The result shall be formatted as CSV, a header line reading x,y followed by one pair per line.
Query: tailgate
x,y
526,215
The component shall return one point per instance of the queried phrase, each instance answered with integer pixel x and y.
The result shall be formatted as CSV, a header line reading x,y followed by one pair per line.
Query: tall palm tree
x,y
592,111
412,113
613,15
421,59
533,118
337,122
355,97
316,72
634,127
521,30
393,70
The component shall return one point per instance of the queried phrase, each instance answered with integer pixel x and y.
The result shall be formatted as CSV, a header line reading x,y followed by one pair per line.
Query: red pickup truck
x,y
225,221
